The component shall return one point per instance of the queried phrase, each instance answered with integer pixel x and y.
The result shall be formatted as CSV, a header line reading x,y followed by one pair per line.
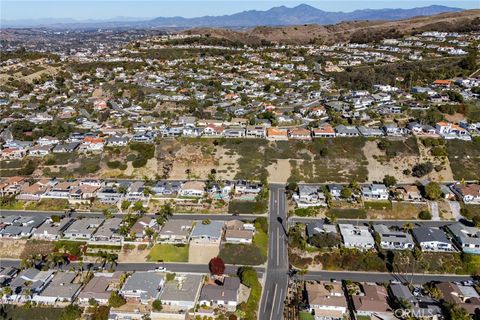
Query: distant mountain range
x,y
277,16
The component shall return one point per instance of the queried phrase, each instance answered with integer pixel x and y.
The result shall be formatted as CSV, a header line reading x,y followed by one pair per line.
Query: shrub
x,y
116,300
71,312
114,164
422,169
389,181
425,215
439,152
157,305
433,191
139,162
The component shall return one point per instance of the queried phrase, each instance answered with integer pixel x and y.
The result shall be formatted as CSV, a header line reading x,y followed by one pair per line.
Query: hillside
x,y
356,31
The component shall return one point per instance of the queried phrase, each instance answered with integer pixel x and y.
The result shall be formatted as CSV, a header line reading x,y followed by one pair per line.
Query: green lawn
x,y
303,315
169,253
247,207
347,213
378,205
471,210
38,313
246,254
260,240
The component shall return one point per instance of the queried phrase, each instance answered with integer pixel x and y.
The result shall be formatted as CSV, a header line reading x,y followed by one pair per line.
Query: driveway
x,y
433,207
455,208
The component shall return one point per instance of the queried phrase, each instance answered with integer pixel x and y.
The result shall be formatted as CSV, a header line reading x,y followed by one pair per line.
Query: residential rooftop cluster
x,y
330,300
139,293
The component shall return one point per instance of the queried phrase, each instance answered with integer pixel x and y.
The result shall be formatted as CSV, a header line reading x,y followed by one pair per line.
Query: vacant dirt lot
x,y
11,249
201,252
379,167
279,172
190,157
133,256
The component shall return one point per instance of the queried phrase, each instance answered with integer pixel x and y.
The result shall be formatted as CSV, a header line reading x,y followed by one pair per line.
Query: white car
x,y
161,269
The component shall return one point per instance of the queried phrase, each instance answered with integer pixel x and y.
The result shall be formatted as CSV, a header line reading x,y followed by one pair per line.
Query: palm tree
x,y
112,259
407,227
302,273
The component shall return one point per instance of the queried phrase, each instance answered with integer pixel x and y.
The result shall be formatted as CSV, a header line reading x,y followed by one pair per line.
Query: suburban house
x,y
51,230
422,306
326,300
7,274
335,190
356,237
32,192
109,194
324,131
277,134
318,227
255,132
100,287
310,196
468,192
207,232
432,239
238,232
299,133
392,239
66,147
466,238
375,192
247,187
464,296
40,150
408,193
164,187
346,131
225,295
175,231
83,229
62,288
28,282
108,231
18,227
141,226
10,186
373,301
135,192
183,292
451,131
143,286
370,132
192,189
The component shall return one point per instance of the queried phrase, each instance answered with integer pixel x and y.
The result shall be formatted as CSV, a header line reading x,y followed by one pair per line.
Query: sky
x,y
108,9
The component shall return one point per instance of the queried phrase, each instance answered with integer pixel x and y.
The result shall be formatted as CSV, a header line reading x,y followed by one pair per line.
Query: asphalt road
x,y
144,266
381,277
188,216
399,223
275,288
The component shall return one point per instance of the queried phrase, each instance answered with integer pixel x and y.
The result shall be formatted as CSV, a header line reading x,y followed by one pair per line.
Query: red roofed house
x,y
325,131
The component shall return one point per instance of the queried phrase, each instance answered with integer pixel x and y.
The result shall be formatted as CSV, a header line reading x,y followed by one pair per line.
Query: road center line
x,y
265,303
278,247
280,300
273,301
